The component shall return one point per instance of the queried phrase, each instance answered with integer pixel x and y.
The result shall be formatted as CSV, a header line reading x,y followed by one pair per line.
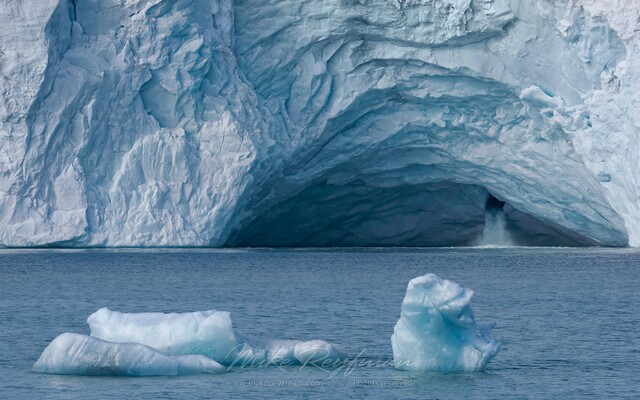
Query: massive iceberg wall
x,y
307,122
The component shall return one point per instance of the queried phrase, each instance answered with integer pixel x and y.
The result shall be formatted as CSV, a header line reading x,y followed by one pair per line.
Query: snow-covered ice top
x,y
75,354
437,330
318,122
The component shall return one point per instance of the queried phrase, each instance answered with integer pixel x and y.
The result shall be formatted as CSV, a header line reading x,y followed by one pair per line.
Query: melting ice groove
x,y
436,332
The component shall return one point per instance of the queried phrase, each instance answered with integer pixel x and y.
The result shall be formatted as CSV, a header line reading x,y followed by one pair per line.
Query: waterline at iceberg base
x,y
318,123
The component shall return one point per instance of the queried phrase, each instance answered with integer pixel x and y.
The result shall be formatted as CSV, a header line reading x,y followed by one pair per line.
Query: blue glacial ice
x,y
318,122
437,330
208,333
76,354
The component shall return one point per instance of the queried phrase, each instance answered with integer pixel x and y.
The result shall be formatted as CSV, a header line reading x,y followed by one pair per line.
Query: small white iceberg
x,y
75,354
437,330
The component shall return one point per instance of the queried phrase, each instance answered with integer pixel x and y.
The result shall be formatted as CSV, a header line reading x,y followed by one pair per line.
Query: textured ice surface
x,y
75,354
437,330
318,122
209,333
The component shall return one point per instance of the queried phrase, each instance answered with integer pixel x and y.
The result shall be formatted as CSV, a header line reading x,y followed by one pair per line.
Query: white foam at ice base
x,y
76,354
437,330
495,233
209,333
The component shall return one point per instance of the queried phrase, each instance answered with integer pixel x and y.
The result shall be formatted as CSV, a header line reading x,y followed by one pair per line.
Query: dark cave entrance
x,y
494,204
438,214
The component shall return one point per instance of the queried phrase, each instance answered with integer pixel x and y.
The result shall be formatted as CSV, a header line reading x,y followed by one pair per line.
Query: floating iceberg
x,y
145,344
437,330
208,333
75,354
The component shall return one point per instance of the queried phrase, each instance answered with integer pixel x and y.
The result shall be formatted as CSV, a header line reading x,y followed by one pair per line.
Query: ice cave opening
x,y
443,213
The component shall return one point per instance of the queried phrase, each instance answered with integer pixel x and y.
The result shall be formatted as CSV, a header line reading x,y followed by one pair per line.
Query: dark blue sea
x,y
568,318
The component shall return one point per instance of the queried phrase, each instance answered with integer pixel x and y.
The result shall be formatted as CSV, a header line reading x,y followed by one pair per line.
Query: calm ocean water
x,y
568,318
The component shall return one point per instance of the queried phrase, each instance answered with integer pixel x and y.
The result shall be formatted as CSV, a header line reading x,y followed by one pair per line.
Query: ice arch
x,y
401,135
338,122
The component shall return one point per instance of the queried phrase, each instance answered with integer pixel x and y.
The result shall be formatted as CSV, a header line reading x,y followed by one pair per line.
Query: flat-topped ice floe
x,y
208,333
211,334
75,354
437,330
